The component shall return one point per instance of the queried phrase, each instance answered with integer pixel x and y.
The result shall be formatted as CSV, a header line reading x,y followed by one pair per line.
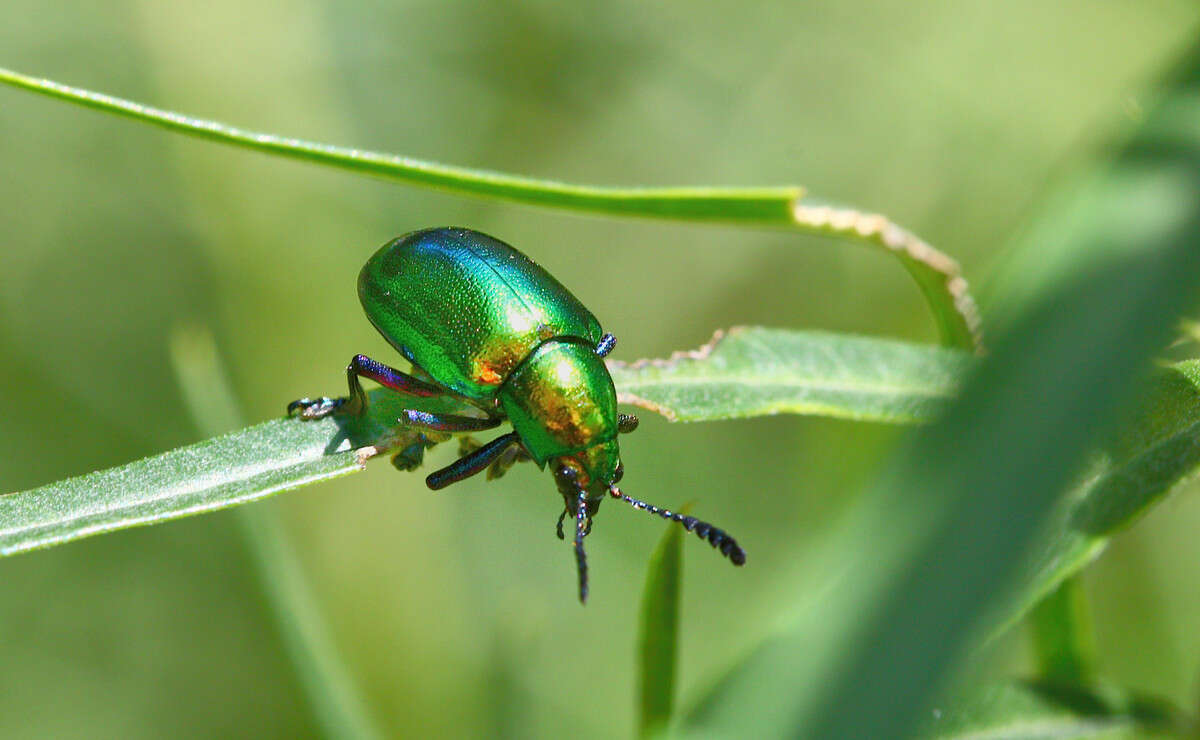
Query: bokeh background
x,y
455,612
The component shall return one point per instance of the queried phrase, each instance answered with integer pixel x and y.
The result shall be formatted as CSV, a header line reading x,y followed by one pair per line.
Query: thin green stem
x,y
334,698
1062,637
936,274
759,205
658,634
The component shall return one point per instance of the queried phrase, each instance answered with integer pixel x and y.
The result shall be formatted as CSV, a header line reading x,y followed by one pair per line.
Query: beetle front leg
x,y
356,403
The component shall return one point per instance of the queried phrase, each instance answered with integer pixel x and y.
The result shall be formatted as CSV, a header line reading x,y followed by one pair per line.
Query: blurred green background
x,y
455,612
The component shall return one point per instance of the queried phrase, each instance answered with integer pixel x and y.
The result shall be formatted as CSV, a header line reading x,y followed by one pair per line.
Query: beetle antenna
x,y
718,538
581,519
606,344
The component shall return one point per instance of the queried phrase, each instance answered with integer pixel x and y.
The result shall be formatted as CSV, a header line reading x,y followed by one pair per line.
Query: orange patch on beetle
x,y
487,374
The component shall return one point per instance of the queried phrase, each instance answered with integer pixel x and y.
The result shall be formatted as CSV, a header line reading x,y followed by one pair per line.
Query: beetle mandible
x,y
482,322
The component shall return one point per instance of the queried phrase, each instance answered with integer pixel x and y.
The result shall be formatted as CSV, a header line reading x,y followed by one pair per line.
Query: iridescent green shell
x,y
562,401
467,307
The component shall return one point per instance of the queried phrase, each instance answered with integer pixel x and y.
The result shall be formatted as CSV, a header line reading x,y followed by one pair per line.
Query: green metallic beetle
x,y
482,322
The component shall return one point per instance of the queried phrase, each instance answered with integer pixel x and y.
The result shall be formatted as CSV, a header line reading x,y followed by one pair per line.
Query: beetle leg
x,y
448,422
467,444
364,366
465,467
558,527
412,452
502,464
513,455
718,538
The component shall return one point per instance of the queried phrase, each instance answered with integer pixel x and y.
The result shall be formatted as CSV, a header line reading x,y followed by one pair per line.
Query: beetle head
x,y
590,471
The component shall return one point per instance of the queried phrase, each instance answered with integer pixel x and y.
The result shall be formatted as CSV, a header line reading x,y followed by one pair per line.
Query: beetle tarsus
x,y
315,408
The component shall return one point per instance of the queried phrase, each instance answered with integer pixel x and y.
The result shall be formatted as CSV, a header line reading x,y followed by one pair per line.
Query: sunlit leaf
x,y
752,371
746,374
234,468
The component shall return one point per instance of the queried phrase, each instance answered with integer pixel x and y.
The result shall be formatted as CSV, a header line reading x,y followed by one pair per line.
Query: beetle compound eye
x,y
619,474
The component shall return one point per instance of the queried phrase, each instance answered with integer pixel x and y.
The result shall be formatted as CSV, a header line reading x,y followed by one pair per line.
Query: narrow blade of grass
x,y
658,634
335,700
936,550
1062,638
1155,449
937,275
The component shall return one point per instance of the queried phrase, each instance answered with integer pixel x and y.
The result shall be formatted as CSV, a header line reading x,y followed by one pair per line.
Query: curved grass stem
x,y
782,206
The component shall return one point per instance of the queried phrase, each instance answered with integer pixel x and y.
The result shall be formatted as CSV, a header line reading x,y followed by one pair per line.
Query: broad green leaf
x,y
658,633
1023,710
932,557
900,384
752,371
938,276
231,469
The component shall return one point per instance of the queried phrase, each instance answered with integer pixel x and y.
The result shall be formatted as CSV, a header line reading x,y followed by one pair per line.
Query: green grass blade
x,y
935,551
1154,450
658,634
1158,447
1062,637
1034,710
752,371
936,275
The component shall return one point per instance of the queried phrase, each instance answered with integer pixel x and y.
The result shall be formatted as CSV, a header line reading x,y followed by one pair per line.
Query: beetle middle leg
x,y
356,403
504,461
473,463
